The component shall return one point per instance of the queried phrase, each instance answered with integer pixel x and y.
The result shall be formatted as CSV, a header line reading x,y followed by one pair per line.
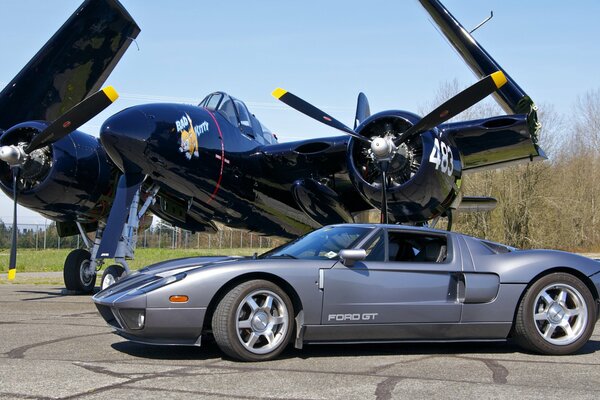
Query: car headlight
x,y
133,318
167,280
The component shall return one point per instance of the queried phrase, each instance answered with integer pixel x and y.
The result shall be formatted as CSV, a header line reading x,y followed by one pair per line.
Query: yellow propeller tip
x,y
277,93
499,79
111,93
11,274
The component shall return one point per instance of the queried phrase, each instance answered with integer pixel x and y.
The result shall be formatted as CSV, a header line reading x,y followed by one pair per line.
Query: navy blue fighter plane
x,y
215,163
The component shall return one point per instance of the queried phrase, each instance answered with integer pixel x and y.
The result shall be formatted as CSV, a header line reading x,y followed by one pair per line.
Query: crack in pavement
x,y
499,371
215,394
380,368
103,389
184,371
19,352
21,396
384,389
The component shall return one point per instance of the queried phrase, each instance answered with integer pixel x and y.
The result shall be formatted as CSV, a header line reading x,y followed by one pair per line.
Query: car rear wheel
x,y
253,321
556,315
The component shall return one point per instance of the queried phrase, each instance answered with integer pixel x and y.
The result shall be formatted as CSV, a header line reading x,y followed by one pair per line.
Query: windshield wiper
x,y
283,256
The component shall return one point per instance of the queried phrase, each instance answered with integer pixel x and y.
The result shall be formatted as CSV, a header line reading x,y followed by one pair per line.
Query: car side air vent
x,y
497,248
503,122
312,148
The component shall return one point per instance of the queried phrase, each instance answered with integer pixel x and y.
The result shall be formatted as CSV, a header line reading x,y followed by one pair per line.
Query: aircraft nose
x,y
125,137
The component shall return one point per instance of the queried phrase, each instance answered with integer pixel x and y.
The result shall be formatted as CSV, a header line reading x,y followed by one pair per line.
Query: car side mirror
x,y
350,256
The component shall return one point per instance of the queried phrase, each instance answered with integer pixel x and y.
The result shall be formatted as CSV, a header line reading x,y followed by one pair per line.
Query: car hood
x,y
161,270
172,267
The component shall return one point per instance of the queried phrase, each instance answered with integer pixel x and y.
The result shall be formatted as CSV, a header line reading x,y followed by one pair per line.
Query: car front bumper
x,y
162,326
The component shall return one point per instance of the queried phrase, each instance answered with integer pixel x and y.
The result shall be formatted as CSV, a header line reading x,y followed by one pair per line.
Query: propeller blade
x,y
383,167
363,111
308,109
12,264
457,104
74,118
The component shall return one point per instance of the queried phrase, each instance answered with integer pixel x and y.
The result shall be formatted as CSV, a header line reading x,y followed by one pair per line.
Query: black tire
x,y
272,326
73,272
111,275
566,315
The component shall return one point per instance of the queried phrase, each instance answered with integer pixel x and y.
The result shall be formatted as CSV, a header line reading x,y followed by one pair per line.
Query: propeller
x,y
78,115
308,109
457,104
12,263
383,149
16,155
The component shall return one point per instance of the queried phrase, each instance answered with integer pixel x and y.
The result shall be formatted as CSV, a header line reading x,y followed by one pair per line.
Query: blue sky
x,y
325,52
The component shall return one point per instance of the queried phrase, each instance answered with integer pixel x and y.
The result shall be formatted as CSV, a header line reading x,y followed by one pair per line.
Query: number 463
x,y
441,156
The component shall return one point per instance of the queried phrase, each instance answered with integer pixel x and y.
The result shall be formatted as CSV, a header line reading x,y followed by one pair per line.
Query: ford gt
x,y
361,283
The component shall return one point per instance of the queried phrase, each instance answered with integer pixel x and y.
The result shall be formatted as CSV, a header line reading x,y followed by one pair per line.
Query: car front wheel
x,y
556,315
253,321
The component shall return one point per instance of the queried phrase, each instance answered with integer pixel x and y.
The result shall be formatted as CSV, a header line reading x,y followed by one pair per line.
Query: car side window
x,y
417,247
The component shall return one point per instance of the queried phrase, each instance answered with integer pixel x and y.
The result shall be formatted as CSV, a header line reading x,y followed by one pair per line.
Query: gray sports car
x,y
362,283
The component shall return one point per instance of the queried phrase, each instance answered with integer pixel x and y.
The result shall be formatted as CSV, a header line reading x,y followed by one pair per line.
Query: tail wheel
x,y
77,273
253,321
556,316
111,275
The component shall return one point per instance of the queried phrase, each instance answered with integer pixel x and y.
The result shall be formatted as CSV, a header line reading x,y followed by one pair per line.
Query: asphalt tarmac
x,y
54,346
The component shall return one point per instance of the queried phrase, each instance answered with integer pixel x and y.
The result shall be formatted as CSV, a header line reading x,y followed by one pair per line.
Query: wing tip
x,y
278,93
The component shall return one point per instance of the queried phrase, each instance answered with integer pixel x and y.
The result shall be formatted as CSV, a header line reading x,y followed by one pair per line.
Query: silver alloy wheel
x,y
261,321
560,314
84,273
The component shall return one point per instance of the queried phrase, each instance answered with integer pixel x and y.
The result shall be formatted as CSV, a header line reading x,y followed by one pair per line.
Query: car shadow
x,y
210,350
206,352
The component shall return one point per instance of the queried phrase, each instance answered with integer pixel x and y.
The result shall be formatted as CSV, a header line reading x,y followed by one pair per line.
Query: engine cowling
x,y
71,179
424,172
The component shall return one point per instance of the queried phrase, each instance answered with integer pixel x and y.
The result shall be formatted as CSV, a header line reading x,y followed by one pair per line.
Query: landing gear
x,y
78,273
81,265
111,275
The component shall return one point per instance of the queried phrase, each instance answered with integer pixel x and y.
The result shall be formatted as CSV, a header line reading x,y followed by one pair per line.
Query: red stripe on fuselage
x,y
212,196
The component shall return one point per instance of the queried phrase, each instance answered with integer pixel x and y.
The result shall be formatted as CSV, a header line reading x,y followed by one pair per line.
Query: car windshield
x,y
321,244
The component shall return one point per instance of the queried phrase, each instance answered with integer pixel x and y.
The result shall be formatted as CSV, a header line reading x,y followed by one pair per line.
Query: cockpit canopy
x,y
238,115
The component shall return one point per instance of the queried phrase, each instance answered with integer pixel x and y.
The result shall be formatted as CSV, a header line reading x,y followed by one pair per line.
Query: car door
x,y
395,286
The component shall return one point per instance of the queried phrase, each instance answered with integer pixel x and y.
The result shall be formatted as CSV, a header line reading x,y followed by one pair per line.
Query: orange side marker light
x,y
179,299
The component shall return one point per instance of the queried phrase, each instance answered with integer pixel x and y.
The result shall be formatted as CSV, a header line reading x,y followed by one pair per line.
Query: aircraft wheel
x,y
76,272
254,321
111,275
556,316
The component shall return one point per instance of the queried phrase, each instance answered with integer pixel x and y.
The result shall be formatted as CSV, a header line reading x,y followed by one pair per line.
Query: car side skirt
x,y
407,332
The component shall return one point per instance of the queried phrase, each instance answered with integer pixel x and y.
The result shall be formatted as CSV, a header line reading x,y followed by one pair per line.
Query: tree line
x,y
548,204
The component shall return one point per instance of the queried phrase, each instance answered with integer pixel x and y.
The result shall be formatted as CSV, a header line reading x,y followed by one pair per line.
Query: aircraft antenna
x,y
138,46
483,22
